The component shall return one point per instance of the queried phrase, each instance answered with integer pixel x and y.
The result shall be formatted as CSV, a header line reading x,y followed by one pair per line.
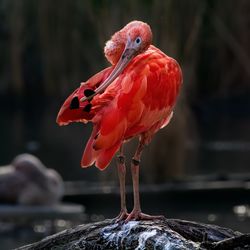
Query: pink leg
x,y
136,213
122,174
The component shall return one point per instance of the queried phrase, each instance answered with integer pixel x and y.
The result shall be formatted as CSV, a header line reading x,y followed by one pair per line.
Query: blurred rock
x,y
27,181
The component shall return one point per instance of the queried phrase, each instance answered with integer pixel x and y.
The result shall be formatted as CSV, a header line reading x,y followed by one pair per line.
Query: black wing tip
x,y
89,92
74,104
87,108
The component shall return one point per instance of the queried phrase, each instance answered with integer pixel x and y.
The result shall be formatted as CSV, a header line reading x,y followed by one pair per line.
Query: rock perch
x,y
161,234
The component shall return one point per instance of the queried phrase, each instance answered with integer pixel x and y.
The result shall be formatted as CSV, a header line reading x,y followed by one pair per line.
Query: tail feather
x,y
89,155
105,156
102,157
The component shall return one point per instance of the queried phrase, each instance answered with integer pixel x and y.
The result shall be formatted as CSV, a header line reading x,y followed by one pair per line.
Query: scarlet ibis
x,y
134,97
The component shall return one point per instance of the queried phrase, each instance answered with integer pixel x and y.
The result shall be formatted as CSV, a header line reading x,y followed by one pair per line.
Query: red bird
x,y
134,97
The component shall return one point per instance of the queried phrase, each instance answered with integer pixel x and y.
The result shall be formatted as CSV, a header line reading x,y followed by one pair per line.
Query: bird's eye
x,y
138,40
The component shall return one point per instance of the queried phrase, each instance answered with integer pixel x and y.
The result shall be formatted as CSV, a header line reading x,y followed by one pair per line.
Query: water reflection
x,y
176,152
180,153
242,211
21,225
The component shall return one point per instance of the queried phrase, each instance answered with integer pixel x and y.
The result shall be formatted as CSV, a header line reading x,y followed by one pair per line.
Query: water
x,y
219,154
209,201
218,144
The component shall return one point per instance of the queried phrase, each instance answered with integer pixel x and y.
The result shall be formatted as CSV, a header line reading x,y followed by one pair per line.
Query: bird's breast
x,y
144,93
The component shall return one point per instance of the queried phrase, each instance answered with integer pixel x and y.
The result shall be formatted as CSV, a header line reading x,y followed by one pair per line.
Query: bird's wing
x,y
164,78
72,109
158,86
139,100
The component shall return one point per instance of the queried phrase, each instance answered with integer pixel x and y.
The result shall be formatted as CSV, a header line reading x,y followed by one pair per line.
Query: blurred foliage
x,y
48,47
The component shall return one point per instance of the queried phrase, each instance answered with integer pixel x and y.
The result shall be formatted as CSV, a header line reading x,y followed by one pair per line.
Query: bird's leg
x,y
122,174
136,213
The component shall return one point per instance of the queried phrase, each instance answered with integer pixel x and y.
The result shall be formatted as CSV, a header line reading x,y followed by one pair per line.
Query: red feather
x,y
139,101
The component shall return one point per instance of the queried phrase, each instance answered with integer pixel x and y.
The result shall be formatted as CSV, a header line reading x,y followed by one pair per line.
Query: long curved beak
x,y
127,55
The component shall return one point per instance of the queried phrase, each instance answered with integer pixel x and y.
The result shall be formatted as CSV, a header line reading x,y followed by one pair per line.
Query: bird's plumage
x,y
139,101
132,98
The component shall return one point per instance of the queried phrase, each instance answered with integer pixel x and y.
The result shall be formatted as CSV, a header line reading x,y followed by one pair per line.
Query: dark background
x,y
49,47
197,168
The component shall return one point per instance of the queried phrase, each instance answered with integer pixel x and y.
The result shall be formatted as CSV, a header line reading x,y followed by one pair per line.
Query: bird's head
x,y
130,41
124,45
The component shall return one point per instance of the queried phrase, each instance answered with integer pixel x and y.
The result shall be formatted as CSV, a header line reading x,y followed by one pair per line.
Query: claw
x,y
122,216
138,215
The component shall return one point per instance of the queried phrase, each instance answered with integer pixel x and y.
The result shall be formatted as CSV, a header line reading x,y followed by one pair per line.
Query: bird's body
x,y
136,102
140,100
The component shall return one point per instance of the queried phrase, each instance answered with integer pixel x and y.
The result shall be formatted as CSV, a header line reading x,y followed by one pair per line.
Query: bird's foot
x,y
138,215
122,216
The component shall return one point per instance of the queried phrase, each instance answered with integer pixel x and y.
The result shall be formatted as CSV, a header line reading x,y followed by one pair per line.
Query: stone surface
x,y
161,234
